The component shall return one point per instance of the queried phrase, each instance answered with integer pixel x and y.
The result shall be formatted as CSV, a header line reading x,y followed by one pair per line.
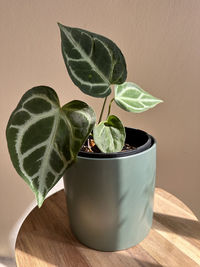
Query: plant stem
x,y
102,109
110,107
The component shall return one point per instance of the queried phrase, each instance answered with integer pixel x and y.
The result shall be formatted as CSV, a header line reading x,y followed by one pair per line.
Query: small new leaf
x,y
93,62
109,135
131,97
44,139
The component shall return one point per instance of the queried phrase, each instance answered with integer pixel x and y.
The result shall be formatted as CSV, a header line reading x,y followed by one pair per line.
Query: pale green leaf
x,y
44,139
131,97
109,135
94,62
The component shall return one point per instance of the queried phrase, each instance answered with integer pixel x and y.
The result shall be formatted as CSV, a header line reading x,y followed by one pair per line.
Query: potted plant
x,y
109,170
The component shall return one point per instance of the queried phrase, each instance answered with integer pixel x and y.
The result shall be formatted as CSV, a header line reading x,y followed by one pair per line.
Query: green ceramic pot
x,y
110,199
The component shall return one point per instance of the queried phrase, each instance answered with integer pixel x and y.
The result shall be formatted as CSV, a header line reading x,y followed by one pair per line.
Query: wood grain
x,y
45,239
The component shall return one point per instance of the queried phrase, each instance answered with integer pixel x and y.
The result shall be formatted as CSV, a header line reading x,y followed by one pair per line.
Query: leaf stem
x,y
110,107
104,103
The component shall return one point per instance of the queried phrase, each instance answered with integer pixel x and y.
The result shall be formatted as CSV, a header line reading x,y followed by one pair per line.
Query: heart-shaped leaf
x,y
44,139
131,97
109,135
93,61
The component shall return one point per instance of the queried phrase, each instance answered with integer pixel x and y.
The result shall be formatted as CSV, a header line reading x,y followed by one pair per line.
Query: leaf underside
x,y
131,97
93,62
44,139
109,135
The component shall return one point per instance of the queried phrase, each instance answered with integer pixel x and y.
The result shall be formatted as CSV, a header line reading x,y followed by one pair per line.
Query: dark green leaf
x,y
93,61
44,139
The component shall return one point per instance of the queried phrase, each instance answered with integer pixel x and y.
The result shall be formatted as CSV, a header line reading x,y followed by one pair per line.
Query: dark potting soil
x,y
91,147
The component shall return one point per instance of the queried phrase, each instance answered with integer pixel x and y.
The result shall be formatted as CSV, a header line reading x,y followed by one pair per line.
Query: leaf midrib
x,y
84,55
48,150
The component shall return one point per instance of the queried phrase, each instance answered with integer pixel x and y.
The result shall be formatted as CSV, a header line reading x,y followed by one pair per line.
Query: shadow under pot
x,y
110,196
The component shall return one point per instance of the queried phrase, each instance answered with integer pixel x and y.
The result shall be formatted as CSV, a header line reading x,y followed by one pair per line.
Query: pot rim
x,y
151,142
120,157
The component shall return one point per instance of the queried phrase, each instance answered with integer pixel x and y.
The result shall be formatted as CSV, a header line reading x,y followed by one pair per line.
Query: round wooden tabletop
x,y
45,239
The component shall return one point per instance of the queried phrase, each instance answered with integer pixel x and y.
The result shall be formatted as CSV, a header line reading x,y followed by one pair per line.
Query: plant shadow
x,y
180,226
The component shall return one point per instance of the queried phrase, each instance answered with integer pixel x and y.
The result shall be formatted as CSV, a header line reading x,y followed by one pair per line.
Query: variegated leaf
x,y
44,139
93,61
109,135
131,97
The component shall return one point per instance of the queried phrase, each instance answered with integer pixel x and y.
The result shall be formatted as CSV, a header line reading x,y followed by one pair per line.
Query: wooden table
x,y
45,239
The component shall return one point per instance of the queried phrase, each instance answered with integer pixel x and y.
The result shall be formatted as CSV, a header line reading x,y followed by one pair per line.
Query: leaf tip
x,y
59,24
40,199
39,204
62,26
160,101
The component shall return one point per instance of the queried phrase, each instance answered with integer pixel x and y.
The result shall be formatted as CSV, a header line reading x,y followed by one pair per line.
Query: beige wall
x,y
161,43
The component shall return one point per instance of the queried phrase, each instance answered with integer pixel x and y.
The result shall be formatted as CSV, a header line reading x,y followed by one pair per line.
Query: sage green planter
x,y
110,200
